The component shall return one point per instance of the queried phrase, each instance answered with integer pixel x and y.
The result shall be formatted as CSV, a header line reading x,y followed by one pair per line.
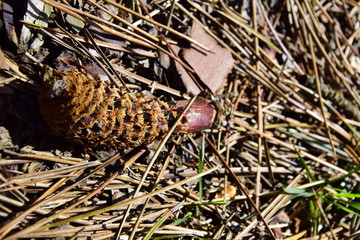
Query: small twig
x,y
239,185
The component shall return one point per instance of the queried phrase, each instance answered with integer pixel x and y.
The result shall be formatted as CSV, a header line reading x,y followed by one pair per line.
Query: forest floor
x,y
280,160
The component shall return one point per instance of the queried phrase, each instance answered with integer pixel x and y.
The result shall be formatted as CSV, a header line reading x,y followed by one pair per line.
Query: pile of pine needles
x,y
282,157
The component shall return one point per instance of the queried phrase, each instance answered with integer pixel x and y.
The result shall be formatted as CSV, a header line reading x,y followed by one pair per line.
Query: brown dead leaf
x,y
211,67
3,63
8,17
281,218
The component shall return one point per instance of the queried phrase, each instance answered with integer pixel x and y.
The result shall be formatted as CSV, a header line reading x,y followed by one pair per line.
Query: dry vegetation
x,y
281,160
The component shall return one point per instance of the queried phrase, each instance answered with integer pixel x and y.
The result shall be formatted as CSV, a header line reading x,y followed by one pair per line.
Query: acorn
x,y
82,108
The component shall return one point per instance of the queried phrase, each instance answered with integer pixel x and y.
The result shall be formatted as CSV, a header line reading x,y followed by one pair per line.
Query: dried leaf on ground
x,y
3,64
211,67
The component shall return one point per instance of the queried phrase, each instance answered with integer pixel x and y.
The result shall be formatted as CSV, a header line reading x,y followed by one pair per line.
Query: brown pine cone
x,y
84,109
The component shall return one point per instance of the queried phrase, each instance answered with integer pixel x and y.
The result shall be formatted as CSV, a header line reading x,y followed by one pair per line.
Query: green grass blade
x,y
162,220
342,207
303,163
181,220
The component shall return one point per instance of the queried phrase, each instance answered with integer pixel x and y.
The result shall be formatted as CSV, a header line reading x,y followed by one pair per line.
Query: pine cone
x,y
84,109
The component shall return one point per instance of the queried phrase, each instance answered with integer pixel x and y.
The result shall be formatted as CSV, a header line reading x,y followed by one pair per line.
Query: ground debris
x,y
281,160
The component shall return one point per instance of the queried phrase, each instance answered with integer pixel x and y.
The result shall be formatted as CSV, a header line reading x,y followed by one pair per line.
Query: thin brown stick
x,y
239,185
